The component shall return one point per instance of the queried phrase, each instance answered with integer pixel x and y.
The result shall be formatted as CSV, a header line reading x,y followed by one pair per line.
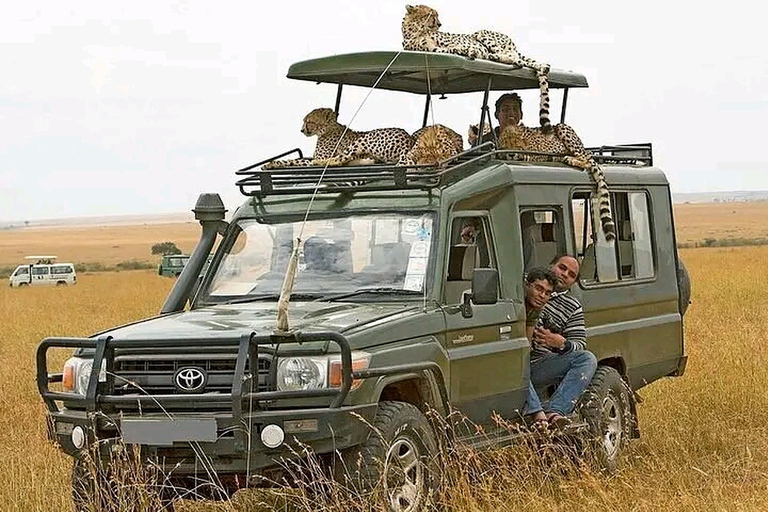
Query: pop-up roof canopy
x,y
408,72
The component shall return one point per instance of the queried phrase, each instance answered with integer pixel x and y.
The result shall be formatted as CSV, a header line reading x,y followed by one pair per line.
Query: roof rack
x,y
42,260
631,154
305,180
636,154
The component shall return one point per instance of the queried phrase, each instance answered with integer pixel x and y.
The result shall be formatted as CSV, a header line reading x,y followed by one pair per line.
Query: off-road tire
x,y
606,407
397,460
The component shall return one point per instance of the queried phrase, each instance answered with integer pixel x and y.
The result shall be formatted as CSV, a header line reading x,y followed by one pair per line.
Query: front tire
x,y
607,409
397,459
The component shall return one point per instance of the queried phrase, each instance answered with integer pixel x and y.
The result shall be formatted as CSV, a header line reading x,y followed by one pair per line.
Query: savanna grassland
x,y
704,443
108,244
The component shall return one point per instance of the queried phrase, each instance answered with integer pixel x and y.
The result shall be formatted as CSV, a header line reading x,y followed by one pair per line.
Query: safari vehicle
x,y
172,264
43,272
391,314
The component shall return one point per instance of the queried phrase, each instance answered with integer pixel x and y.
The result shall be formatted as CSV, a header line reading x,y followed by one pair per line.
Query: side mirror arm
x,y
466,305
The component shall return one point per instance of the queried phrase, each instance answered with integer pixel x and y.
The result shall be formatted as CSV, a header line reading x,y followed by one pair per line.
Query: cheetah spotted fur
x,y
563,140
331,139
434,144
421,33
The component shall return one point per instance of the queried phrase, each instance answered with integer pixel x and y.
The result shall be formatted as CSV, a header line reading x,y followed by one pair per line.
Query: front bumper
x,y
236,448
226,436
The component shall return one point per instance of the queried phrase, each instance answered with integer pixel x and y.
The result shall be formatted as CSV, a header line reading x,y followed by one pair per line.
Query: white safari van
x,y
44,271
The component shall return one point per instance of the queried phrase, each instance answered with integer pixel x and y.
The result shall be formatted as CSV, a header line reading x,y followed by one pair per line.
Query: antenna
x,y
283,325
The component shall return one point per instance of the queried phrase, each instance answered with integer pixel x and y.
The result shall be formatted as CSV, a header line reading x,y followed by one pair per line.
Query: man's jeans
x,y
570,372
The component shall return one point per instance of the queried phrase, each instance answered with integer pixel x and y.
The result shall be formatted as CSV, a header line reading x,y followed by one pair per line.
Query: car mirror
x,y
485,290
485,286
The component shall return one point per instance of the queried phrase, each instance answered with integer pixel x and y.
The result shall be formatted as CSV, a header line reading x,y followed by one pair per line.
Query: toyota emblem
x,y
190,379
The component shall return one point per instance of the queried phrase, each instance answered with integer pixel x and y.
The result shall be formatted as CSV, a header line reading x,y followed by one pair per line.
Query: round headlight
x,y
301,373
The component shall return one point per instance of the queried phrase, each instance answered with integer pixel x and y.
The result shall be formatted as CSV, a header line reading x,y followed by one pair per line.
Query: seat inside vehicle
x,y
461,266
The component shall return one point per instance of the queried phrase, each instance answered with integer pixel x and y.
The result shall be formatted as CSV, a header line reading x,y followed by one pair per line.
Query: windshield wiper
x,y
372,291
272,297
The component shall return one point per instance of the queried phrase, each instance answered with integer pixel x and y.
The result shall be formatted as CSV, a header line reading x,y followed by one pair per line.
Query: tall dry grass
x,y
704,442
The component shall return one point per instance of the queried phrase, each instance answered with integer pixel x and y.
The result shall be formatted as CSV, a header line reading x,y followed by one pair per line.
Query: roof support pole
x,y
338,99
426,110
484,111
565,102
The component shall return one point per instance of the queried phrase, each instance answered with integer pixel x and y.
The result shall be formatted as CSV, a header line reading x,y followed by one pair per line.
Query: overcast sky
x,y
112,108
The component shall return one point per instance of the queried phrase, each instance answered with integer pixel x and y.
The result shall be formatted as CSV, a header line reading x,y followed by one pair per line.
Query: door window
x,y
542,237
470,249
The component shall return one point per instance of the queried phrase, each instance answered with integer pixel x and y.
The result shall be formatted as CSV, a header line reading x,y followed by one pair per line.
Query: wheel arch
x,y
420,389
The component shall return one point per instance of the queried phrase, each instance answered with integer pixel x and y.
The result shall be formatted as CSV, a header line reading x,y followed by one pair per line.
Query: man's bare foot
x,y
557,420
539,421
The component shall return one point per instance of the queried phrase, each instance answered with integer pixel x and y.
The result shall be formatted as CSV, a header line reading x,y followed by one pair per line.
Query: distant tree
x,y
165,248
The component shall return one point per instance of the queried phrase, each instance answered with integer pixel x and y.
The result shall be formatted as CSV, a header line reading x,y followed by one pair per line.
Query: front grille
x,y
153,374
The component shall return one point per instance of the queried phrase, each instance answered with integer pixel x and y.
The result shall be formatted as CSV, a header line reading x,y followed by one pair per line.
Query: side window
x,y
633,230
22,271
470,249
542,236
40,270
630,256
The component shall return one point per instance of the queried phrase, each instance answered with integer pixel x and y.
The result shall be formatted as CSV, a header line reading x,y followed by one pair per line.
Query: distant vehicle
x,y
43,272
172,264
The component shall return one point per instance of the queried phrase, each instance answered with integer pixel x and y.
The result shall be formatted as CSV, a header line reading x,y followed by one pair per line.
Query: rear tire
x,y
607,409
683,287
397,459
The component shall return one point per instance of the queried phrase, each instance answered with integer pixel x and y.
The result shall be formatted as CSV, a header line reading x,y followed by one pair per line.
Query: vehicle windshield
x,y
381,253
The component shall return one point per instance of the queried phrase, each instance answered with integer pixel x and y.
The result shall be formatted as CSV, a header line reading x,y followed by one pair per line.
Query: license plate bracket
x,y
165,432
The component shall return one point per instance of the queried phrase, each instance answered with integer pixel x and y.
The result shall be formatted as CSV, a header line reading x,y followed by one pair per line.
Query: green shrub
x,y
165,248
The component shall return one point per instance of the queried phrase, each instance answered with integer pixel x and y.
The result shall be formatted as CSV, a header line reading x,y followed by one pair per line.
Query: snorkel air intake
x,y
209,211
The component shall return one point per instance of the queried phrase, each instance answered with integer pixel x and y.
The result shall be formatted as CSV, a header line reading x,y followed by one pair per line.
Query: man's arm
x,y
568,313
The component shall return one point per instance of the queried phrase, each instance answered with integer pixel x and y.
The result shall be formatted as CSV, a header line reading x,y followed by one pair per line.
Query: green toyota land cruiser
x,y
391,314
172,264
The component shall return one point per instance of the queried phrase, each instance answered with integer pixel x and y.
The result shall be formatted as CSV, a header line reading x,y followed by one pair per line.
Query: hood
x,y
232,320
